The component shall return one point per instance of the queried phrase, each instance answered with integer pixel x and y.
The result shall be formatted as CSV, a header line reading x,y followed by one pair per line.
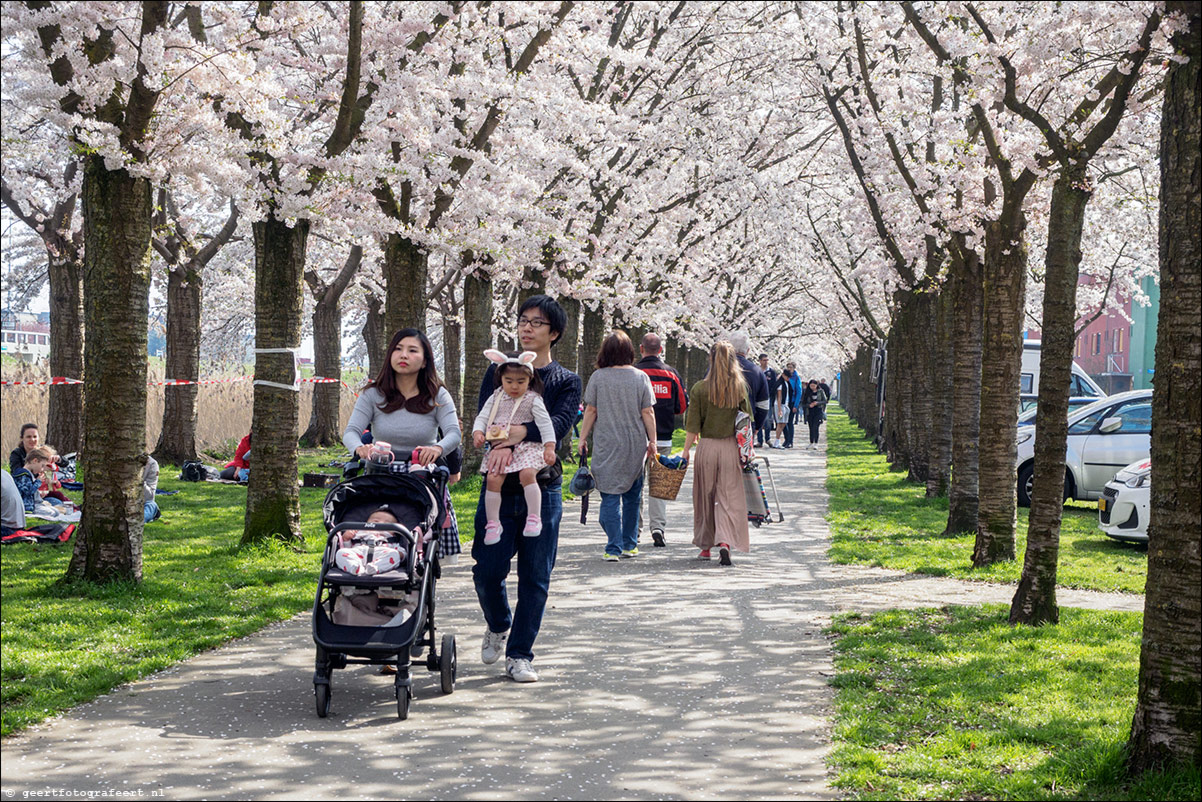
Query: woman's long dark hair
x,y
428,381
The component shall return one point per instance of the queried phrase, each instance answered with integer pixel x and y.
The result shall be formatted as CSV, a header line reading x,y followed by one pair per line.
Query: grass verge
x,y
956,704
878,518
63,644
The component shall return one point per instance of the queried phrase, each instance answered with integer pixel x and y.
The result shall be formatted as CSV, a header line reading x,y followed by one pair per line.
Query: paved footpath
x,y
662,678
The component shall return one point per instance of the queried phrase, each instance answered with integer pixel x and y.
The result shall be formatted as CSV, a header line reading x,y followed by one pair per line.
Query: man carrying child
x,y
512,632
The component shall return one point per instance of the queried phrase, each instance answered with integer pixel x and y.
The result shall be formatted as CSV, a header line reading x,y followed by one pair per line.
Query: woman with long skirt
x,y
719,506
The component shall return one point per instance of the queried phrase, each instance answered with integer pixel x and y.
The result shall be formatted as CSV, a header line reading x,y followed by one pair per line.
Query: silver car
x,y
1103,437
1126,502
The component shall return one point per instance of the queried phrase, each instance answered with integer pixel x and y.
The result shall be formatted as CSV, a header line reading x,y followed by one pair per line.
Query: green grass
x,y
878,518
63,644
957,704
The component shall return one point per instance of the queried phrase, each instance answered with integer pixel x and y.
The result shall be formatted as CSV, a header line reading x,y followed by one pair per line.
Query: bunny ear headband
x,y
525,358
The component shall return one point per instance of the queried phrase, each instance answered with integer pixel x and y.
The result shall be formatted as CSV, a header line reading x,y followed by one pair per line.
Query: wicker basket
x,y
665,481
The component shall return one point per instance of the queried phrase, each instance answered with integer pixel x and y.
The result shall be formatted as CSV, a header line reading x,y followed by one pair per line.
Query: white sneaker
x,y
519,669
493,647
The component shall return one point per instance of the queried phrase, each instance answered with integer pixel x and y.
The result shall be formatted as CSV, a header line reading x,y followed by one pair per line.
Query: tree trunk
x,y
64,424
1005,283
567,350
324,428
920,384
1035,600
452,355
177,440
116,211
962,497
272,500
939,441
1168,709
374,335
477,336
406,272
672,352
592,332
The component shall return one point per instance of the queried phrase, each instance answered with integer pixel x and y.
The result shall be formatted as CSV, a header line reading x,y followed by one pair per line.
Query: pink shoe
x,y
534,526
492,533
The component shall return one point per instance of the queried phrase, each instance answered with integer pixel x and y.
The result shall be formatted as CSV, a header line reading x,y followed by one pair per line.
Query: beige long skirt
x,y
719,506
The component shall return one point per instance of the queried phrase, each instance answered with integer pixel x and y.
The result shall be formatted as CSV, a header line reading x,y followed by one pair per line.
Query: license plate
x,y
1102,504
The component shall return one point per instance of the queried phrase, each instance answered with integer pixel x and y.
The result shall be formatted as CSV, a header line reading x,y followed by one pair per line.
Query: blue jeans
x,y
536,558
619,518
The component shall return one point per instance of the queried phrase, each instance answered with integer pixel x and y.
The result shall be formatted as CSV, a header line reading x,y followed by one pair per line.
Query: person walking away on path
x,y
764,435
826,388
794,404
757,385
719,505
813,400
407,405
781,395
670,400
620,404
541,322
517,399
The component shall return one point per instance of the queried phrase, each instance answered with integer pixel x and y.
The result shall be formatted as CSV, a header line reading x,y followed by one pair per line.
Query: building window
x,y
1118,341
1097,343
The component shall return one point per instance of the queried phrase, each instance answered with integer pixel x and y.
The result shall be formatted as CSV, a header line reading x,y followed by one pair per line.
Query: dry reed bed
x,y
223,410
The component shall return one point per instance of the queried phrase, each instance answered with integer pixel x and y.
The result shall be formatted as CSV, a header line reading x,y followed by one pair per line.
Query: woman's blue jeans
x,y
619,518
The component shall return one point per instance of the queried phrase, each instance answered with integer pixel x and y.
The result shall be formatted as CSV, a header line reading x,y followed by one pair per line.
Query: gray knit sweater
x,y
405,430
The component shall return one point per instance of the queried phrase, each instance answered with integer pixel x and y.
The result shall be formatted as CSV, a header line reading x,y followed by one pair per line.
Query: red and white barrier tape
x,y
53,380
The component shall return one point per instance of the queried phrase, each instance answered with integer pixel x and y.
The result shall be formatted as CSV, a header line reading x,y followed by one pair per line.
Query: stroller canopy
x,y
412,498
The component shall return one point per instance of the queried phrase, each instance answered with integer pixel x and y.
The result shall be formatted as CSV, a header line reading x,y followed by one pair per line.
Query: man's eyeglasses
x,y
534,323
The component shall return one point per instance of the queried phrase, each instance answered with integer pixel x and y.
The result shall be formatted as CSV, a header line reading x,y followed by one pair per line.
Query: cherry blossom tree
x,y
99,73
1164,730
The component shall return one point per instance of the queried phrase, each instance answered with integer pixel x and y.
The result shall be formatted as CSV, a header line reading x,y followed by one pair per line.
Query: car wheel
x,y
1026,483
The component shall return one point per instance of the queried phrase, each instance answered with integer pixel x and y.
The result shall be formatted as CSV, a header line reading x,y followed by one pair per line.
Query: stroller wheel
x,y
448,664
322,692
402,702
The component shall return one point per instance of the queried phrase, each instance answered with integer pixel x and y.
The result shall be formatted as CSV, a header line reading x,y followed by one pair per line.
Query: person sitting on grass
x,y
239,467
29,478
31,438
150,484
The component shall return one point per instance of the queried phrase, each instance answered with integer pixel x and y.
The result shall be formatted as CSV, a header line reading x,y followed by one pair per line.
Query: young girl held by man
x,y
517,400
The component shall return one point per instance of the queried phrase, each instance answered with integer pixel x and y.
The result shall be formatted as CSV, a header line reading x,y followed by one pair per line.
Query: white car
x,y
1123,507
1103,437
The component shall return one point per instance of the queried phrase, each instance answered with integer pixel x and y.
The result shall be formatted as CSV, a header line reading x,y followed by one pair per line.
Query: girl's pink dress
x,y
525,454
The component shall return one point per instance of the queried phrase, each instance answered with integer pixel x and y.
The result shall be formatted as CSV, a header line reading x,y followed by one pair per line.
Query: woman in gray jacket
x,y
407,406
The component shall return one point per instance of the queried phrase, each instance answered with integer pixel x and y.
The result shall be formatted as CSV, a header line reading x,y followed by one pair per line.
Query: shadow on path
x,y
662,678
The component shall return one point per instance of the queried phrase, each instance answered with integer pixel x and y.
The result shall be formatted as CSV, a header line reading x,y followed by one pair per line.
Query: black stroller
x,y
382,618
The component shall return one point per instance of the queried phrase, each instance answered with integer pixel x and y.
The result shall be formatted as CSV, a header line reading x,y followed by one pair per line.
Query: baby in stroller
x,y
375,594
364,552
